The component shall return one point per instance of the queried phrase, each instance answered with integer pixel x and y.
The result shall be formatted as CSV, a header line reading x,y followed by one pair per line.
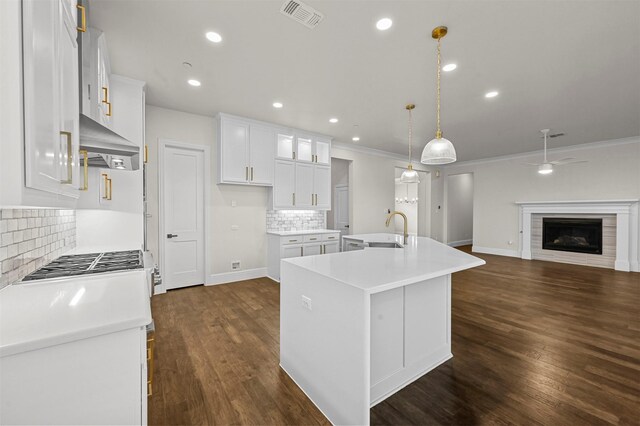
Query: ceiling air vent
x,y
303,13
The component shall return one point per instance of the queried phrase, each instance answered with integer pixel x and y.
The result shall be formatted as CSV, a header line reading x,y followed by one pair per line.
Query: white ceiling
x,y
572,66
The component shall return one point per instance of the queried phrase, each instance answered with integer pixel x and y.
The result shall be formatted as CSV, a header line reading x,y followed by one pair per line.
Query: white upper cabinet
x,y
322,187
50,78
284,185
245,151
304,186
322,151
285,145
96,70
304,145
261,161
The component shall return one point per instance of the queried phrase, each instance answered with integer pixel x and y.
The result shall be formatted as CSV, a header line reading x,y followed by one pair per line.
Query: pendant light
x,y
410,175
438,150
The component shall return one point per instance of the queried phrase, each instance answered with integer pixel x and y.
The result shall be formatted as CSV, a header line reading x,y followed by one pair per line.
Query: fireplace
x,y
573,235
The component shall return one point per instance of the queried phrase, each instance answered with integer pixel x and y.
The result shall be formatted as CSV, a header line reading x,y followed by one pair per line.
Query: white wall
x,y
612,172
460,209
248,243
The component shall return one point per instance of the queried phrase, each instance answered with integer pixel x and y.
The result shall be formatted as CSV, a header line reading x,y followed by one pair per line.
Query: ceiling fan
x,y
546,167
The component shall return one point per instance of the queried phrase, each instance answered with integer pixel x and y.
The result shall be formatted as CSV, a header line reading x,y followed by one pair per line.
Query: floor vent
x,y
302,13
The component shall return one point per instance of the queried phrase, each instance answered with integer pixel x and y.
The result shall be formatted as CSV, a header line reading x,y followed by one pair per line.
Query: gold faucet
x,y
404,216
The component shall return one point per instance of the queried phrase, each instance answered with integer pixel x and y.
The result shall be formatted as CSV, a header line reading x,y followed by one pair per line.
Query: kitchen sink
x,y
384,245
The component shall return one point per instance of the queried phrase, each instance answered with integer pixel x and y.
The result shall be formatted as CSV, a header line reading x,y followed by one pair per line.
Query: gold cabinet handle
x,y
293,198
83,18
105,95
301,254
312,239
85,156
246,173
294,155
146,153
69,178
106,186
150,349
110,188
109,113
252,174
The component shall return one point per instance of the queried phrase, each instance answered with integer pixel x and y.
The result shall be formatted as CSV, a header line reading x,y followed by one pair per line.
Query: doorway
x,y
182,200
459,205
413,199
338,217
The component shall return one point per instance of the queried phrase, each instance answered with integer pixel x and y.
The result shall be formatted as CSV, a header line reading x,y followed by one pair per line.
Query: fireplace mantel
x,y
626,211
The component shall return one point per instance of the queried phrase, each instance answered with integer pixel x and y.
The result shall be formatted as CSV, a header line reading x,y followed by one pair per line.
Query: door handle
x,y
346,226
172,235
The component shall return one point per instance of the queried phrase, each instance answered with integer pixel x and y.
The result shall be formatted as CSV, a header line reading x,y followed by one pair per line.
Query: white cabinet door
x,y
105,107
304,148
292,250
322,151
304,185
69,107
322,187
234,155
332,247
261,146
41,122
312,249
285,145
284,185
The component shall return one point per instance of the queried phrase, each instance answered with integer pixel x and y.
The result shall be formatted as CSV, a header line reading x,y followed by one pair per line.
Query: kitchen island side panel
x,y
325,349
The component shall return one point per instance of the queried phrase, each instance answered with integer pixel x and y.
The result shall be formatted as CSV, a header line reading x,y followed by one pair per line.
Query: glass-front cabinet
x,y
285,149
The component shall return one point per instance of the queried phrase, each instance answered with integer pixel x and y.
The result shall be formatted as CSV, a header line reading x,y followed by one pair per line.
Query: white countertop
x,y
303,232
378,269
44,313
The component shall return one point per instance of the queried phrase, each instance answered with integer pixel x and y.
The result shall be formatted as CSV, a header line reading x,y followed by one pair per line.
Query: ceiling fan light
x,y
545,169
409,176
438,151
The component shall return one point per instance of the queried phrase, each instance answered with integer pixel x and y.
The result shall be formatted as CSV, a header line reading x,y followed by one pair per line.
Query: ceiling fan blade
x,y
565,163
532,164
562,160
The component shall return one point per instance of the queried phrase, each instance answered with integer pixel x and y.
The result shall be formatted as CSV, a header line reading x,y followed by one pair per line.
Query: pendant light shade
x,y
410,175
439,150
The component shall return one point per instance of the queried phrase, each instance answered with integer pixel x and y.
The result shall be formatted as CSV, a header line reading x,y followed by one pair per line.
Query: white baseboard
x,y
635,266
496,251
459,243
229,277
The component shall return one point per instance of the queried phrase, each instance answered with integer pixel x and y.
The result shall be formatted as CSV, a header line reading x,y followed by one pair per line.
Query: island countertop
x,y
379,269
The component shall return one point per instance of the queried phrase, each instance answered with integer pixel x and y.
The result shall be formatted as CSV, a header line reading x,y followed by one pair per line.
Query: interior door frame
x,y
163,144
335,204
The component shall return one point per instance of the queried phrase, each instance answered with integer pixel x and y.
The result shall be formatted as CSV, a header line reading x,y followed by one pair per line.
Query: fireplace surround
x,y
626,225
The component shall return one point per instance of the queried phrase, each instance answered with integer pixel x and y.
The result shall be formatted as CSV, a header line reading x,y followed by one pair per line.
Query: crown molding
x,y
370,151
570,148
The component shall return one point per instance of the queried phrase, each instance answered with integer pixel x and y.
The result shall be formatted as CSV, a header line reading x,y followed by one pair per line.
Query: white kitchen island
x,y
357,326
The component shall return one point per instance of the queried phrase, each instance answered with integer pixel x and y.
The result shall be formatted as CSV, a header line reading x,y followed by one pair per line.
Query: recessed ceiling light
x,y
333,120
355,139
194,83
278,105
384,24
449,67
492,94
214,37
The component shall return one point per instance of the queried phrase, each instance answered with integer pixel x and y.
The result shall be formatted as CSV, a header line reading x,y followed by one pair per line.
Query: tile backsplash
x,y
31,238
295,220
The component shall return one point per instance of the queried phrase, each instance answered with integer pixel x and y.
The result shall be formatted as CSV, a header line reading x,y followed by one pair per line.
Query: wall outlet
x,y
235,264
306,303
234,203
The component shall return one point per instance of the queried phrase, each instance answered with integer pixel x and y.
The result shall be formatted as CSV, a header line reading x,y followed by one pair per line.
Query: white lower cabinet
x,y
286,245
99,380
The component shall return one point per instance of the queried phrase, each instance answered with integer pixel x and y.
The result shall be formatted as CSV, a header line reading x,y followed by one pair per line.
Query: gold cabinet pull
x,y
252,174
83,19
246,173
105,95
146,153
69,178
294,155
150,349
85,156
105,195
293,198
109,113
301,253
110,188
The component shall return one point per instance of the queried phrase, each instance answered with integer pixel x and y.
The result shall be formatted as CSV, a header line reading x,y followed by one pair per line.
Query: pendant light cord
x,y
438,131
410,136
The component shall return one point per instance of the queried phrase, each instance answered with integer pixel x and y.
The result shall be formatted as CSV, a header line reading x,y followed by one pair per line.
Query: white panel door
x,y
322,187
41,107
304,148
235,151
323,151
312,249
333,247
183,203
294,250
261,147
304,185
284,184
285,148
341,213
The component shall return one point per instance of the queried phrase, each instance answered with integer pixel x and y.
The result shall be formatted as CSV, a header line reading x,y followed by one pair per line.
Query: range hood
x,y
106,148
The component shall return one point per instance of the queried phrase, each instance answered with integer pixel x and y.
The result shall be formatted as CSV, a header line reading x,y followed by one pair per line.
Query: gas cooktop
x,y
92,263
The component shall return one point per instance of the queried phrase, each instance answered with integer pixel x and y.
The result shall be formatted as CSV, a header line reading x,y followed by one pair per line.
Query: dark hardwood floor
x,y
533,342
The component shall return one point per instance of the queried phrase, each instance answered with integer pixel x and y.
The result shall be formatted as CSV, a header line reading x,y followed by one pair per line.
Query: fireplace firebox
x,y
574,235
